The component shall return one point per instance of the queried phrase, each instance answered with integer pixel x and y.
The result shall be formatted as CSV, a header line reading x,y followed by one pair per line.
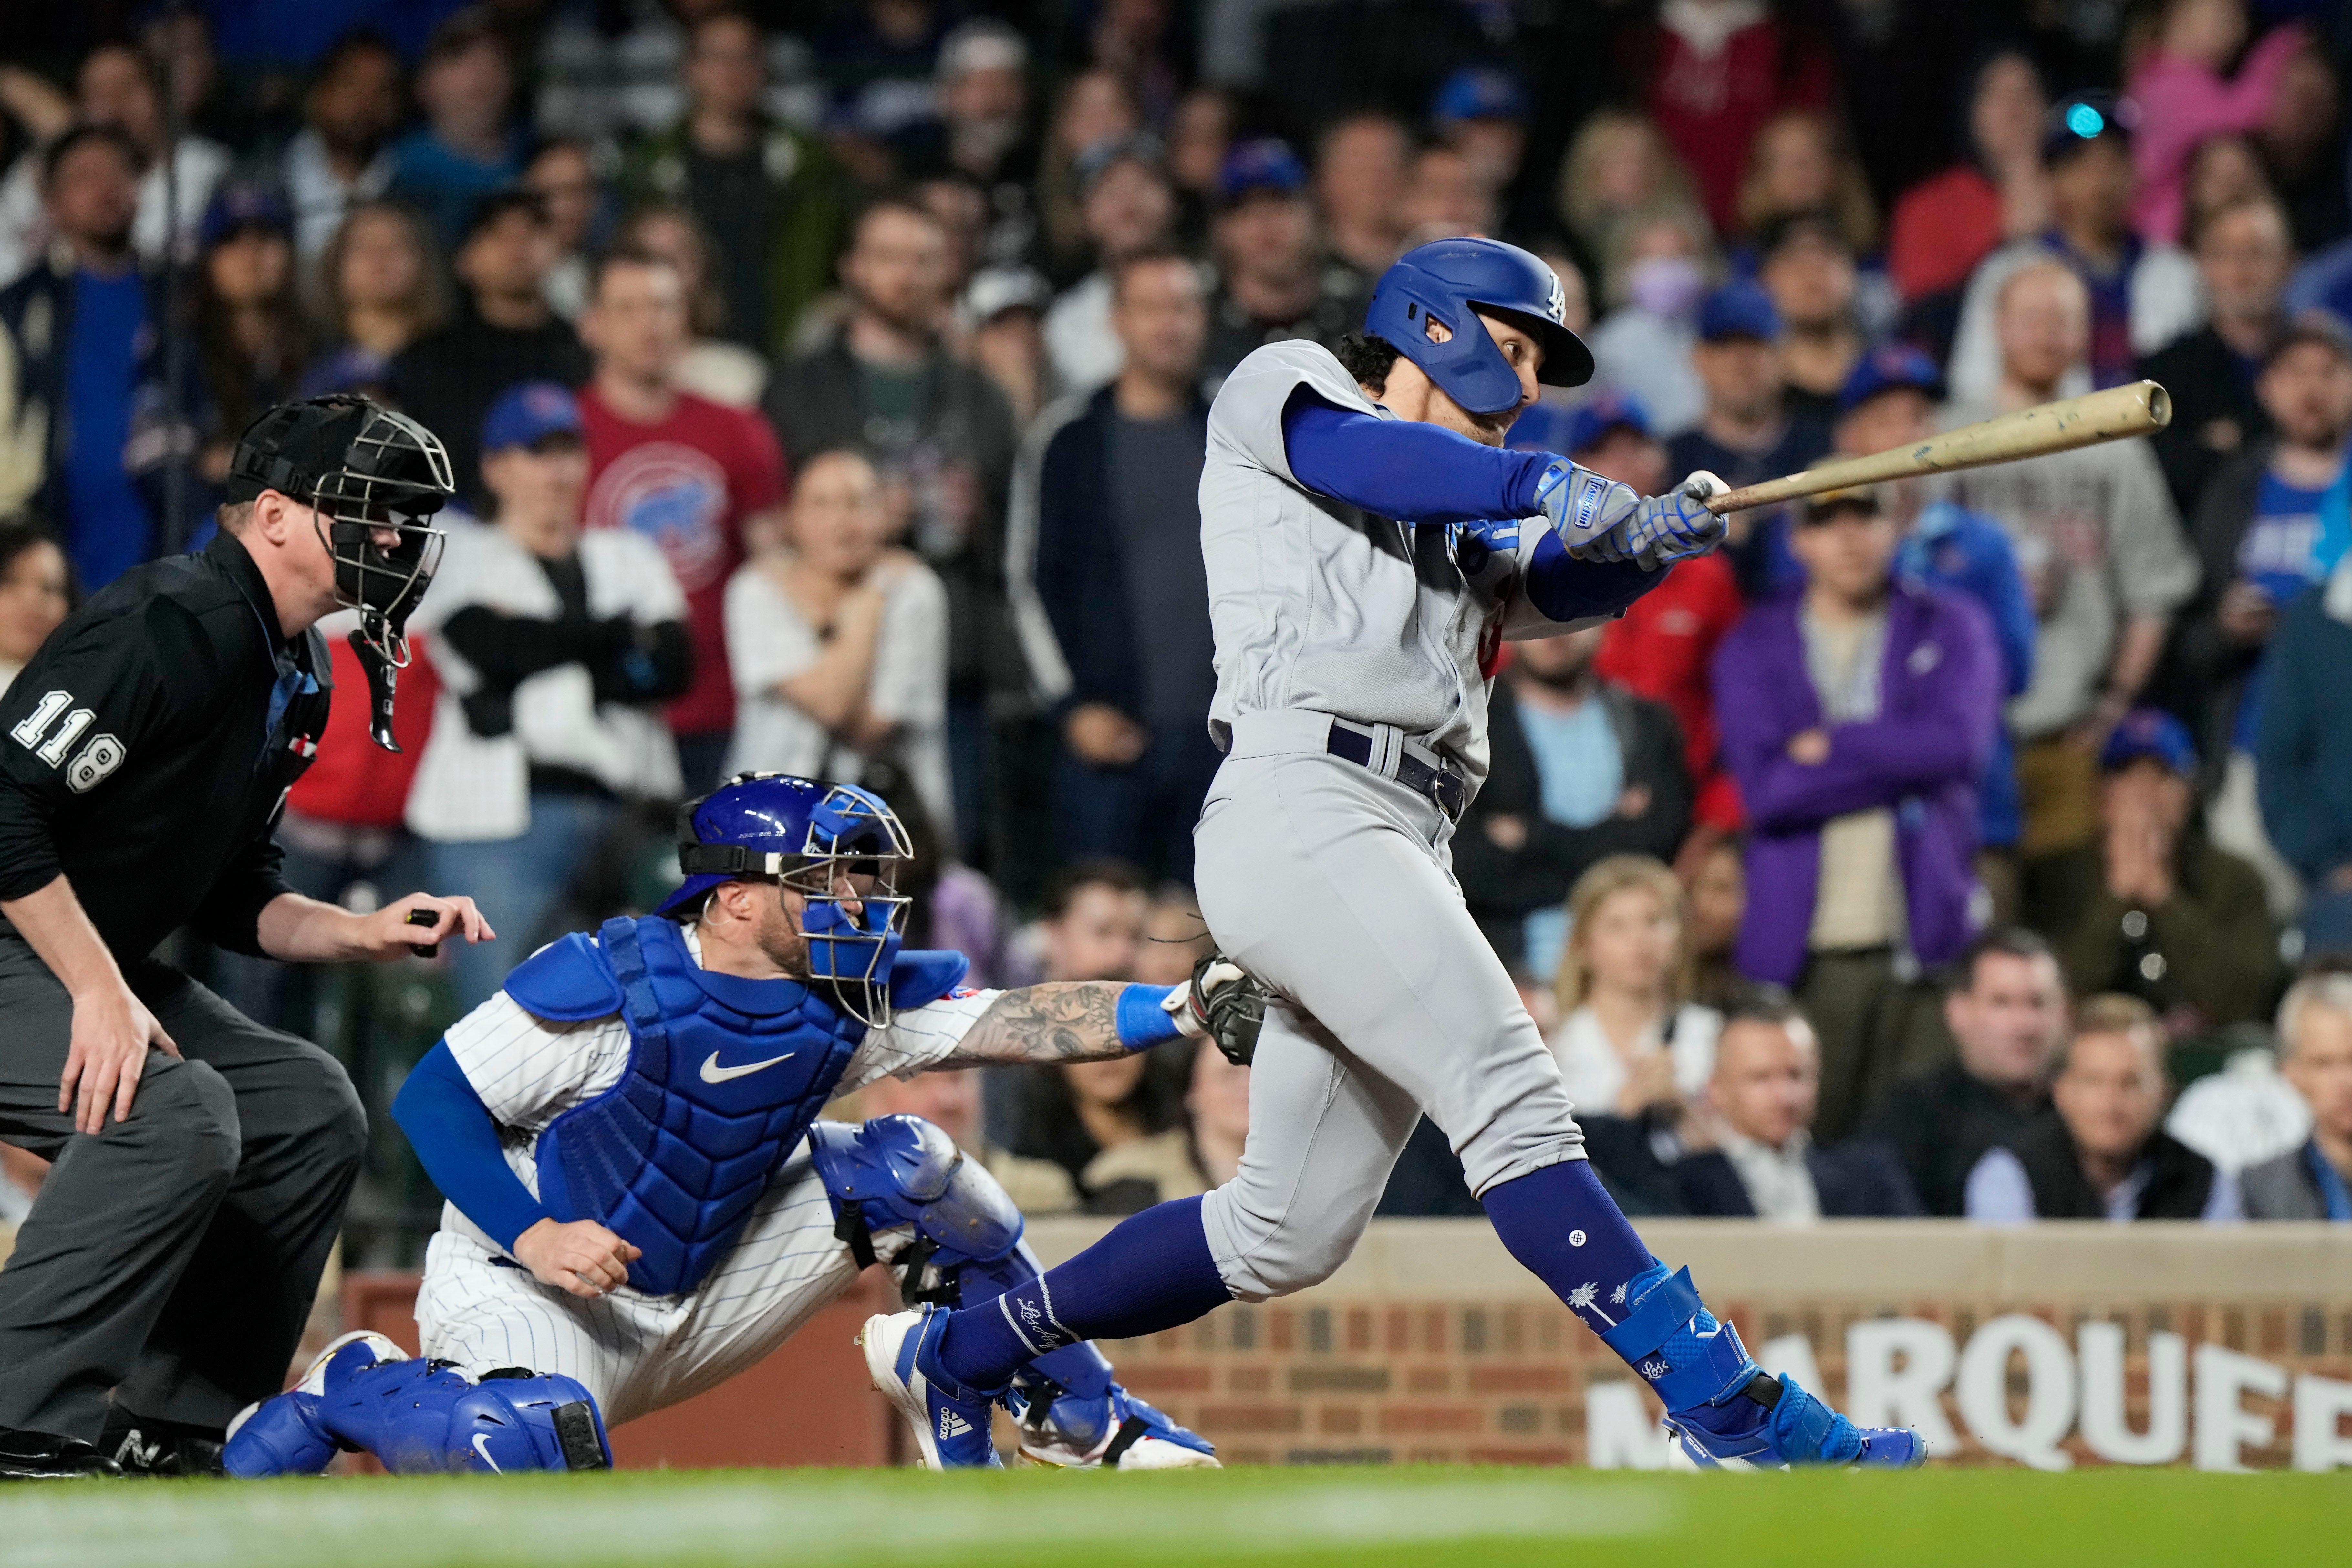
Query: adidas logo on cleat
x,y
953,1425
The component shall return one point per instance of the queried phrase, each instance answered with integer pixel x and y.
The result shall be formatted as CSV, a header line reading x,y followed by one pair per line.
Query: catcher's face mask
x,y
374,480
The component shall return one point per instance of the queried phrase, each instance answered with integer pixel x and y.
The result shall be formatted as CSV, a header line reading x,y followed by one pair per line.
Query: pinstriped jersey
x,y
529,1070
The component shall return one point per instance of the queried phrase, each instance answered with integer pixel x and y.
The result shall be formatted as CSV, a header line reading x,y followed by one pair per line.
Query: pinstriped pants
x,y
637,1353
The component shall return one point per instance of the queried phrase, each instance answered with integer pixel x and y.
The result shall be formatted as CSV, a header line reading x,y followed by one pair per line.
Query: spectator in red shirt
x,y
1662,647
1947,223
680,469
1721,69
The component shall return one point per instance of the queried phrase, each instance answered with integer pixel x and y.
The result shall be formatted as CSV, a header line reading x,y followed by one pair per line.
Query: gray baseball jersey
x,y
1332,883
1317,605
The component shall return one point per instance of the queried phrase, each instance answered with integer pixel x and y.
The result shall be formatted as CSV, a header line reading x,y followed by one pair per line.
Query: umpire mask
x,y
374,480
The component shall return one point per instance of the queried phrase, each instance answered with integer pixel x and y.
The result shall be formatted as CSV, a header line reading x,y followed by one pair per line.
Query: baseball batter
x,y
641,1202
1360,585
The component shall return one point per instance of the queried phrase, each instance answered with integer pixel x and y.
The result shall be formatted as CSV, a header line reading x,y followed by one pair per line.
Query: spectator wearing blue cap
x,y
1272,283
1481,112
1747,434
556,650
253,341
2152,907
2144,294
1890,401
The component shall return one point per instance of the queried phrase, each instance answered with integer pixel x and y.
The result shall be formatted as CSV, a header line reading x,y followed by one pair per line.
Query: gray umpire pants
x,y
1333,885
173,1258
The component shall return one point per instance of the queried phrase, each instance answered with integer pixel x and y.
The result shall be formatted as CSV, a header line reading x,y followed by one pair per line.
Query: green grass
x,y
1409,1517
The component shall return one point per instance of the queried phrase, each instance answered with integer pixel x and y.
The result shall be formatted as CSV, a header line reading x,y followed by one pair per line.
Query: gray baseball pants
x,y
173,1258
1333,885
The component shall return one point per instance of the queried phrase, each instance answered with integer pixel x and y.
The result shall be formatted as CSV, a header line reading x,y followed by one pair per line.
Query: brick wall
x,y
1434,1347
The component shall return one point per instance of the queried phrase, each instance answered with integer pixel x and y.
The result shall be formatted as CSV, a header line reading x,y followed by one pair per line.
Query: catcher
x,y
642,1202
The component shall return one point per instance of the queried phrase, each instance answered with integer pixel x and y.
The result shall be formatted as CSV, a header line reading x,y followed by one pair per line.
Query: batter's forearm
x,y
55,925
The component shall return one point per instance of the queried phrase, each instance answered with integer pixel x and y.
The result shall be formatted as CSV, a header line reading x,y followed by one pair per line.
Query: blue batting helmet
x,y
1445,280
835,846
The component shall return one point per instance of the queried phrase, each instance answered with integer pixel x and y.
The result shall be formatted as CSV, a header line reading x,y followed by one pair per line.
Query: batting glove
x,y
1672,527
1583,509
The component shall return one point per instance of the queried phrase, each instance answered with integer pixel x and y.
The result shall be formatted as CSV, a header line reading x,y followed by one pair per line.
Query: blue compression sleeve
x,y
1416,473
456,1142
1565,589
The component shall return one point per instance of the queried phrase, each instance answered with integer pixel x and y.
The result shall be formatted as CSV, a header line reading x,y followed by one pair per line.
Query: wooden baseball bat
x,y
2140,408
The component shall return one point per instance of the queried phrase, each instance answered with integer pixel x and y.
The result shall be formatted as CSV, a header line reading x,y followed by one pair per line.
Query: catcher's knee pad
x,y
902,1171
518,1421
425,1417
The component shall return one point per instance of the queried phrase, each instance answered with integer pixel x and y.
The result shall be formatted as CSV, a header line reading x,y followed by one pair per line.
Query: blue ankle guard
x,y
1674,1342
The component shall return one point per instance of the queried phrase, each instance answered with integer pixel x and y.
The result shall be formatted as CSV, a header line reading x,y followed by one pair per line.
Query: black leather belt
x,y
1440,785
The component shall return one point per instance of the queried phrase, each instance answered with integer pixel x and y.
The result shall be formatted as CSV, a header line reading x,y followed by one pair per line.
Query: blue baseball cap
x,y
1264,163
1891,367
2149,733
1479,92
236,207
1547,428
527,413
1740,308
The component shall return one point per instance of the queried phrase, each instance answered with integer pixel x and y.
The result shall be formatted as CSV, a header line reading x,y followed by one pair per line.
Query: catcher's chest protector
x,y
724,1077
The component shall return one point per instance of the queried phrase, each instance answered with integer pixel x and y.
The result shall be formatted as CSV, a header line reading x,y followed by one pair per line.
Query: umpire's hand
x,y
581,1257
112,1031
389,933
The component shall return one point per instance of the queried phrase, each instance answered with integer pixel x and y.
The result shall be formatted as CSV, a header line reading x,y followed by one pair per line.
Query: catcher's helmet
x,y
831,845
1447,279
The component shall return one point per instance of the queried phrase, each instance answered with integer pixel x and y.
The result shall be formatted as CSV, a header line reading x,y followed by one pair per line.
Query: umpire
x,y
200,1162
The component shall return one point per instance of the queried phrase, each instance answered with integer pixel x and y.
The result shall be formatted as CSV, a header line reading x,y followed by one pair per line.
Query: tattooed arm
x,y
1059,1021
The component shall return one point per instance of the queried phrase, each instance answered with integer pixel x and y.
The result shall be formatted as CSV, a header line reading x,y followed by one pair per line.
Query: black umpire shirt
x,y
147,748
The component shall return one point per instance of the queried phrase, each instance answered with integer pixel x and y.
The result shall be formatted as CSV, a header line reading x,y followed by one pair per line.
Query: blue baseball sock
x,y
1153,1271
1565,1227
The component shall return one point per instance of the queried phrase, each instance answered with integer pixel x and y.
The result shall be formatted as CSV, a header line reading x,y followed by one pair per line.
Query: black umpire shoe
x,y
164,1449
46,1457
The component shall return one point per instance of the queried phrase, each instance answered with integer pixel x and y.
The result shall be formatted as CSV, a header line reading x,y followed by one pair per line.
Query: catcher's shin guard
x,y
901,1171
287,1435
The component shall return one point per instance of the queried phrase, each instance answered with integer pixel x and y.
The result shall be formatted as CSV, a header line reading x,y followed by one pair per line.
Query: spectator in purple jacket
x,y
1857,717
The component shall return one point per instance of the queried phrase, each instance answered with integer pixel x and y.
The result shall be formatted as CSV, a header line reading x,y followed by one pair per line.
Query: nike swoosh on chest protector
x,y
713,1073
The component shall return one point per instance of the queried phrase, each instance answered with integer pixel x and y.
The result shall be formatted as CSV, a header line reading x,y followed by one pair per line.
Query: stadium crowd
x,y
827,384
